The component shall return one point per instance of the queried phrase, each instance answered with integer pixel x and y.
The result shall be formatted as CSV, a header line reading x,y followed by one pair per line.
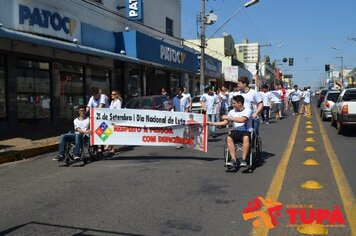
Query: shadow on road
x,y
55,227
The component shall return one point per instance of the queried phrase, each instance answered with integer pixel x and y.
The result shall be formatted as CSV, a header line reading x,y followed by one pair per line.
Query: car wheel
x,y
323,117
339,128
321,113
333,122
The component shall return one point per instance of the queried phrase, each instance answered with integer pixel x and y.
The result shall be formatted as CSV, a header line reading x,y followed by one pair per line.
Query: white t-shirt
x,y
101,100
82,124
252,98
224,98
277,98
295,95
211,102
266,98
185,100
306,96
115,104
242,126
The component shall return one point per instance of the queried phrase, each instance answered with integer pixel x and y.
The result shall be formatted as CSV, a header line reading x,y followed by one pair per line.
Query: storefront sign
x,y
148,127
43,19
172,55
134,9
212,67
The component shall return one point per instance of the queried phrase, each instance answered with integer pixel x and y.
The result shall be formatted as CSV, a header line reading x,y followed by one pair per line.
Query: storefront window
x,y
133,82
71,91
100,78
174,79
33,90
2,88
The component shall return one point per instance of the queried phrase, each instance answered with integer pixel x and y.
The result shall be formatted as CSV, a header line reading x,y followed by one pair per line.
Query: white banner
x,y
148,127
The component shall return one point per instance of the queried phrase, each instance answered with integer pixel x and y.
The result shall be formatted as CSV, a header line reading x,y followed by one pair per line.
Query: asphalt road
x,y
169,191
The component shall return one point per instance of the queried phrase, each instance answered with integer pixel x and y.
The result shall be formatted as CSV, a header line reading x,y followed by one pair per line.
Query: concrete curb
x,y
17,155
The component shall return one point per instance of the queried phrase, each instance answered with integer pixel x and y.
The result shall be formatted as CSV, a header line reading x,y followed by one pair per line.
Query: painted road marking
x,y
310,140
278,178
311,184
346,194
310,162
310,149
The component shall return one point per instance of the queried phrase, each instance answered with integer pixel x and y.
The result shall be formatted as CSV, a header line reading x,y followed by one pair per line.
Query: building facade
x,y
52,52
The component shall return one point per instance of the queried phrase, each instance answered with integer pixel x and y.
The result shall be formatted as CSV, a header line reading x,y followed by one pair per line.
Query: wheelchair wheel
x,y
257,151
227,156
68,153
93,152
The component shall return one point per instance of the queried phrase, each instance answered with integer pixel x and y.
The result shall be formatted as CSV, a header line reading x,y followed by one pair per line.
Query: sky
x,y
306,30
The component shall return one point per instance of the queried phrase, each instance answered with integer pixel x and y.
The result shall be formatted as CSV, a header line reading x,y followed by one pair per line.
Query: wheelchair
x,y
88,153
254,157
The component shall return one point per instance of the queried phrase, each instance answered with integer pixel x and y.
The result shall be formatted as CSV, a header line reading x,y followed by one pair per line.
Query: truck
x,y
343,113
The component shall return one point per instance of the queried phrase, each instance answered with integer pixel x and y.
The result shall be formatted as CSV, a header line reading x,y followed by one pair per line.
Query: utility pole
x,y
202,47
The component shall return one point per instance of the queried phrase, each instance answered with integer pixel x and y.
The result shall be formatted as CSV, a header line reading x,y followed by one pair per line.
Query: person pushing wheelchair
x,y
242,127
81,127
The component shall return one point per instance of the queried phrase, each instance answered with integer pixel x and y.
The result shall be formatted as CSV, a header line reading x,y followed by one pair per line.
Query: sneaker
x,y
267,123
231,163
76,158
243,163
214,135
58,158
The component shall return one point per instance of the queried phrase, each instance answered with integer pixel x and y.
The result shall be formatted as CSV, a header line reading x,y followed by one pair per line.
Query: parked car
x,y
196,104
321,97
343,112
327,103
154,102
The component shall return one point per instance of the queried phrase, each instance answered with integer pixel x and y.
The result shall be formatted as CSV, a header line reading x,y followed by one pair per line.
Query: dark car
x,y
155,102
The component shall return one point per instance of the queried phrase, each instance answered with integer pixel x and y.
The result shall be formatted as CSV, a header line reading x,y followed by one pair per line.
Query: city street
x,y
169,191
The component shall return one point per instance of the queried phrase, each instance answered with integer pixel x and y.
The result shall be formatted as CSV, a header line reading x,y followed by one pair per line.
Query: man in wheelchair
x,y
81,127
242,127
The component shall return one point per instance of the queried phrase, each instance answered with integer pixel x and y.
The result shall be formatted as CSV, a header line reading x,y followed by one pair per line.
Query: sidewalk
x,y
31,141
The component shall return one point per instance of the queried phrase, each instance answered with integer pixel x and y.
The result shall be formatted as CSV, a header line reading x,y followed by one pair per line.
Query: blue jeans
x,y
256,125
212,118
295,106
74,138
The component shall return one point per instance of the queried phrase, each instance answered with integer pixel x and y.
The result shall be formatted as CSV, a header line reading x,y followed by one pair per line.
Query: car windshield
x,y
196,99
146,103
323,92
350,95
332,96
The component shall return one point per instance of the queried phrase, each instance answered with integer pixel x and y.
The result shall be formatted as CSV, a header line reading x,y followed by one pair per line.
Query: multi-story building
x,y
52,52
223,49
249,54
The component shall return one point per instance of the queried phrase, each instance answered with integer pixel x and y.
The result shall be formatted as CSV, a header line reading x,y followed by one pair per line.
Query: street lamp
x,y
342,65
203,41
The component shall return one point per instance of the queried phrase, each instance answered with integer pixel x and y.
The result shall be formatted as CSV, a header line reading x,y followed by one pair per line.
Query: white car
x,y
196,104
327,103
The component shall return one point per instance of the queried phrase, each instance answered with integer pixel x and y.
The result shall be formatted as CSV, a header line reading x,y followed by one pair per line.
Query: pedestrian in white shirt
x,y
306,102
253,100
209,101
277,102
186,96
266,99
295,95
116,103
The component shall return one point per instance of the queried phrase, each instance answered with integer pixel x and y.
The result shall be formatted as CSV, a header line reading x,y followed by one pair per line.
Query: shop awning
x,y
68,46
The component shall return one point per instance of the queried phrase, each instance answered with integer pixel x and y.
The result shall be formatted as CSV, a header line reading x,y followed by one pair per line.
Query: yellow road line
x,y
278,178
347,197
